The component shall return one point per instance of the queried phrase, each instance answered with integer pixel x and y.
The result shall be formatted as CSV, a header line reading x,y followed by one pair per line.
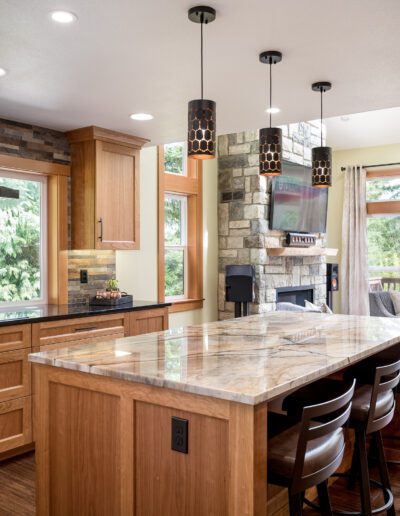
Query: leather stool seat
x,y
320,452
362,402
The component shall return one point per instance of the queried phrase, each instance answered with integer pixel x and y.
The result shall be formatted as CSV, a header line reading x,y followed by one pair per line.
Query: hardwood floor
x,y
17,488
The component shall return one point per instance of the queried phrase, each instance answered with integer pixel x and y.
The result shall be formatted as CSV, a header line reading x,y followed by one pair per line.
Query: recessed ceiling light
x,y
63,16
3,72
273,110
142,116
344,118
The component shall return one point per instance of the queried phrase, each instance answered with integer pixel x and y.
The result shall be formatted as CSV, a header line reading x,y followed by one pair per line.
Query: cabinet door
x,y
15,374
148,321
117,196
15,423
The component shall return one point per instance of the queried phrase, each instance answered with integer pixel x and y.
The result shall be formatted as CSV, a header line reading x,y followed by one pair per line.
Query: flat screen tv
x,y
295,205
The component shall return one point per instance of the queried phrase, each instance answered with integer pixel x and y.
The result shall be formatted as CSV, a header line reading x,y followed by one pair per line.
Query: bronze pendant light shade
x,y
321,157
270,137
270,151
201,112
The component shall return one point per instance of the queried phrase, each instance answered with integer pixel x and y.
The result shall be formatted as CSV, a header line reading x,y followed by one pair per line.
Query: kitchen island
x,y
104,412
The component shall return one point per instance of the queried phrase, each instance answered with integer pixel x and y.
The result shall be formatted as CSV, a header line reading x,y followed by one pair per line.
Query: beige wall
x,y
137,270
342,158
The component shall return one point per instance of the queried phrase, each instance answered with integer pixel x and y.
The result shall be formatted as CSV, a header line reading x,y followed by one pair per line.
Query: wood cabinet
x,y
148,321
15,388
77,331
17,341
15,423
105,189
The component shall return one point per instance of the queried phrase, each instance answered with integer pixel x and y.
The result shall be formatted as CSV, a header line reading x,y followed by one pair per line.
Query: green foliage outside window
x,y
174,158
383,232
20,242
174,258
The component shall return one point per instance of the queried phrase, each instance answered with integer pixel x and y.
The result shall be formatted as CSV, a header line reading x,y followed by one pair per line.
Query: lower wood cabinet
x,y
148,321
79,330
15,423
17,341
15,374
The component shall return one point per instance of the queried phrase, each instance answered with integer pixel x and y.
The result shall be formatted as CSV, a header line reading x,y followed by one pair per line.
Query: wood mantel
x,y
301,251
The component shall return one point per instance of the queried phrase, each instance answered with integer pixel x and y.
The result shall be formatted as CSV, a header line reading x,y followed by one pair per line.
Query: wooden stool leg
x,y
361,442
383,471
295,504
324,501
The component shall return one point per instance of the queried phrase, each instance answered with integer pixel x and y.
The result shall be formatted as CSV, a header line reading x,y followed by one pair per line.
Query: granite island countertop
x,y
44,313
249,360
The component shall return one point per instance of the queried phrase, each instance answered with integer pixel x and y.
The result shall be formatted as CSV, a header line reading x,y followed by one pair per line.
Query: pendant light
x,y
321,156
201,112
270,137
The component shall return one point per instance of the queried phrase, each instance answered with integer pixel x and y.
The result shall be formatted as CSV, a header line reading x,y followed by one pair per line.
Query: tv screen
x,y
296,206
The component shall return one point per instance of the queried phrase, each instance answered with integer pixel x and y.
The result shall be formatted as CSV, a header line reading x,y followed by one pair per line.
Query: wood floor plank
x,y
17,488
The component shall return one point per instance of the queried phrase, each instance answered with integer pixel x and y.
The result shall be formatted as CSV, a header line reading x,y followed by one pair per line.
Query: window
x,y
383,229
175,237
175,158
180,247
23,238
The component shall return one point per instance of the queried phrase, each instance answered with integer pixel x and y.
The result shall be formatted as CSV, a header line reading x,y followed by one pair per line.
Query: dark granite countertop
x,y
42,313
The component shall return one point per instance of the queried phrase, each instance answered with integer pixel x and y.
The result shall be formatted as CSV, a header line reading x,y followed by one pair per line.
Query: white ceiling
x,y
364,129
125,56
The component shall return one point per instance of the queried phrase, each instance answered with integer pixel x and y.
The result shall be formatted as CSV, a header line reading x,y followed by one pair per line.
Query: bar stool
x,y
372,409
308,453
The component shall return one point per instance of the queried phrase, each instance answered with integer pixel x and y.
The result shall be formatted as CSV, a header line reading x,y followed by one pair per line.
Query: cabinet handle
x,y
87,328
100,221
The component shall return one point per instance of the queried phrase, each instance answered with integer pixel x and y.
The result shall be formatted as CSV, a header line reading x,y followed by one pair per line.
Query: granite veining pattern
x,y
248,360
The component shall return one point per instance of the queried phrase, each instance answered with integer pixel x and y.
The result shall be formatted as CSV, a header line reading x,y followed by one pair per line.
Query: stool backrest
x,y
387,378
321,420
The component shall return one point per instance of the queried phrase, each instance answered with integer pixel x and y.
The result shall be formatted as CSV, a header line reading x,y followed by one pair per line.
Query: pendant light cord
x,y
201,54
321,114
270,93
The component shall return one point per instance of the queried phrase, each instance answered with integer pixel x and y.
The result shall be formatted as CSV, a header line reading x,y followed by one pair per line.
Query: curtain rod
x,y
372,166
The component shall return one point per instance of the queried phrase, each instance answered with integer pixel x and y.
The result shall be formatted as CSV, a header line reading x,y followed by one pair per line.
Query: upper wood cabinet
x,y
104,189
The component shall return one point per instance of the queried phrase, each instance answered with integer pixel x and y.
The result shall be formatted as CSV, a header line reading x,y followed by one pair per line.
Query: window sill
x,y
184,305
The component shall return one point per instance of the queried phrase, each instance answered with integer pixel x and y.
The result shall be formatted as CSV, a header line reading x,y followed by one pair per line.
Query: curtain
x,y
354,265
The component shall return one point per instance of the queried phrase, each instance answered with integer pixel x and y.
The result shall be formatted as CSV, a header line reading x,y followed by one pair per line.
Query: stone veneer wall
x,y
33,142
244,204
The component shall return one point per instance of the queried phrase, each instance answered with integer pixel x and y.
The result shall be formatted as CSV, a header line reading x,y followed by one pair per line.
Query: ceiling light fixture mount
x,y
321,156
270,137
201,112
3,72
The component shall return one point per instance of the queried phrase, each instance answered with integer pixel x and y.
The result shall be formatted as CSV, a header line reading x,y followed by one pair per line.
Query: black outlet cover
x,y
180,434
84,275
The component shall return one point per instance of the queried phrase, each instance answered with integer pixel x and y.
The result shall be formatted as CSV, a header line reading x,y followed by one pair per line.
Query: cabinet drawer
x,y
56,334
15,337
15,423
15,374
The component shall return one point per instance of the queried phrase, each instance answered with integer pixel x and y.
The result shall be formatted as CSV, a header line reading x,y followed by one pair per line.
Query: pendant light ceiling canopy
x,y
201,112
270,137
321,156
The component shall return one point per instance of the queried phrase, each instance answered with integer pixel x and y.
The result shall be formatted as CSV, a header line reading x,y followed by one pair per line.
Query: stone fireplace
x,y
243,225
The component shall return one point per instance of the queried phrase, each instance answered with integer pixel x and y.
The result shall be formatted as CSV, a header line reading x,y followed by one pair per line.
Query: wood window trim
x,y
57,220
383,207
192,186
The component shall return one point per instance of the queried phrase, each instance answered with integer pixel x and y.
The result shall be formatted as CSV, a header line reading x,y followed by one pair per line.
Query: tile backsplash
x,y
100,266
